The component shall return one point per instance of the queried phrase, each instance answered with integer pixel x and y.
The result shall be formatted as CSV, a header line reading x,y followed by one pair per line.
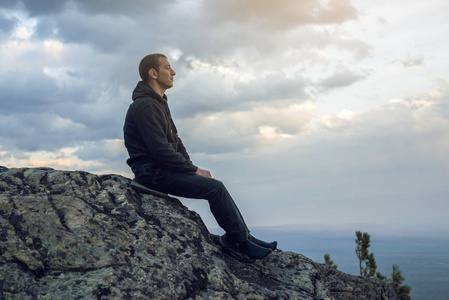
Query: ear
x,y
152,73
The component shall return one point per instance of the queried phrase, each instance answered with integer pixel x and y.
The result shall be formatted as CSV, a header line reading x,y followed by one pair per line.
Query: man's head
x,y
151,61
155,70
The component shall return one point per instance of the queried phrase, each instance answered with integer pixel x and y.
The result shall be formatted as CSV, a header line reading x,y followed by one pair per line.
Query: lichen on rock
x,y
76,235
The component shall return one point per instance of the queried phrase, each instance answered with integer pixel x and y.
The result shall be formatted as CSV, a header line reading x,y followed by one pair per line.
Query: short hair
x,y
151,61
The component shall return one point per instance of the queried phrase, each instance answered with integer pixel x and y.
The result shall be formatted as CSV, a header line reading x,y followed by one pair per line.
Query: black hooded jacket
x,y
150,133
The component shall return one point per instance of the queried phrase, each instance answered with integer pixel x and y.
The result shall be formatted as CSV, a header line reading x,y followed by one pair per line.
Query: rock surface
x,y
76,235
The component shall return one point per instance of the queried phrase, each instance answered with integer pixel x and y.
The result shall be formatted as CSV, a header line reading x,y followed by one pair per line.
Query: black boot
x,y
272,245
253,250
250,249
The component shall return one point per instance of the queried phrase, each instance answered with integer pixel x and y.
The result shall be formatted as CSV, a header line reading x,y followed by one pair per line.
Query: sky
x,y
312,112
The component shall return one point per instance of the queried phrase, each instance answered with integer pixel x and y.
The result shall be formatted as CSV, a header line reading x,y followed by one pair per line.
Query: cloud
x,y
7,24
286,100
359,48
100,156
228,91
37,8
52,7
118,7
62,159
413,62
235,72
103,32
382,20
27,92
381,140
245,129
342,78
390,155
45,84
280,15
34,121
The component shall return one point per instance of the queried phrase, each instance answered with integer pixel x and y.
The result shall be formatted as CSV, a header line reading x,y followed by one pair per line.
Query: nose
x,y
173,72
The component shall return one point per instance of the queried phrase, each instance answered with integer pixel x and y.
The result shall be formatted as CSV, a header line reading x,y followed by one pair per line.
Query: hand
x,y
204,173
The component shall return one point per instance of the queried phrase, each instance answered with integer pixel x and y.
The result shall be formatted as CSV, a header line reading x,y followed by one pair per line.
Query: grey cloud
x,y
109,26
213,29
225,27
382,20
208,93
108,155
104,25
104,41
73,74
413,62
21,92
341,78
102,150
244,128
48,131
31,91
9,3
102,119
123,7
79,86
7,24
280,14
227,141
46,28
275,87
114,7
376,141
360,49
217,145
53,7
28,116
309,38
202,93
380,141
36,8
33,131
104,32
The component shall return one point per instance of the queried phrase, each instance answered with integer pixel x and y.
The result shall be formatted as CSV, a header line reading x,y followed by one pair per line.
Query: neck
x,y
157,88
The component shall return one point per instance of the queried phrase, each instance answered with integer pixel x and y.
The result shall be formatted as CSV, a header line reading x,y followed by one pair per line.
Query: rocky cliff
x,y
76,235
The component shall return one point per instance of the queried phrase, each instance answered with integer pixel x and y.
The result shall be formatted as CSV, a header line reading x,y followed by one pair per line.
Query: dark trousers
x,y
220,201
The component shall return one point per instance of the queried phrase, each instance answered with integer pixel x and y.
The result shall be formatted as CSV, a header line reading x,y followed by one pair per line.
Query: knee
x,y
218,185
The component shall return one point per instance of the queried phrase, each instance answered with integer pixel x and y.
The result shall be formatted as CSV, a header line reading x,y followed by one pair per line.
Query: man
x,y
160,161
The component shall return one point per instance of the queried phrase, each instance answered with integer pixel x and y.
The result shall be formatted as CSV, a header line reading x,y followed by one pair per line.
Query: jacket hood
x,y
143,90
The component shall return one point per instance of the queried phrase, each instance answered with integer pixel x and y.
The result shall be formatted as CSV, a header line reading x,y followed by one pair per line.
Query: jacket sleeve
x,y
152,124
183,150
